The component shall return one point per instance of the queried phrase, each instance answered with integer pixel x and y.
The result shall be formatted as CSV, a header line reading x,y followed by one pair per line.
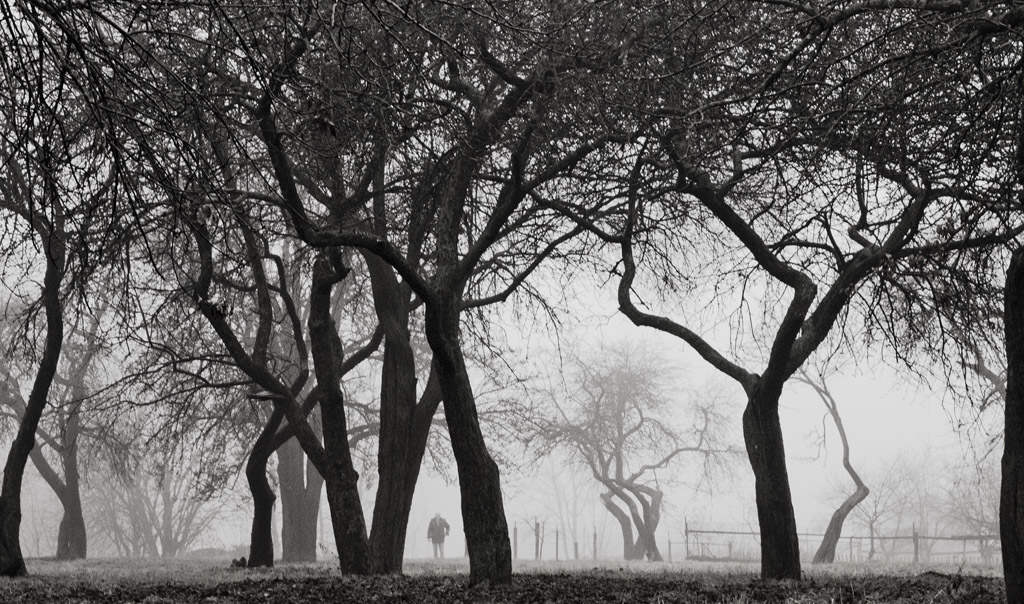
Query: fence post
x,y
556,546
536,540
686,538
670,550
917,557
576,548
730,549
515,541
595,544
851,549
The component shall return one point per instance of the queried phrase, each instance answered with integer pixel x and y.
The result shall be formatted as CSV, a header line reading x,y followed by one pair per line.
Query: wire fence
x,y
538,541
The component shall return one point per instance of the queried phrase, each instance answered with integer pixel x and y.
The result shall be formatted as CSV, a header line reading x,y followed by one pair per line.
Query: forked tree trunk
x,y
72,542
762,434
648,523
301,486
400,456
629,547
1011,495
261,539
404,424
483,511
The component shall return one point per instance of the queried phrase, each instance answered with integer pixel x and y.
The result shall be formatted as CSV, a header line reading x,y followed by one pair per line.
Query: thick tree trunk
x,y
341,480
1011,496
648,523
301,486
261,539
72,542
12,563
404,424
483,511
340,476
398,459
762,433
400,456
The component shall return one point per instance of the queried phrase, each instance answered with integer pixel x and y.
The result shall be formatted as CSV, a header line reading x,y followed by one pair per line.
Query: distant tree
x,y
62,430
156,499
886,505
612,414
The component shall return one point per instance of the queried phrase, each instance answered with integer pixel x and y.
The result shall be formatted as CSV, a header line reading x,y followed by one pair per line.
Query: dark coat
x,y
438,529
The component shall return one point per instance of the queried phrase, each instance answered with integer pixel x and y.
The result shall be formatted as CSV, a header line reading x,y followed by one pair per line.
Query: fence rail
x,y
539,541
731,545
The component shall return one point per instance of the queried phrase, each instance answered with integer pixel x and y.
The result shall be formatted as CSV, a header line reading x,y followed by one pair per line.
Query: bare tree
x,y
612,416
157,502
61,431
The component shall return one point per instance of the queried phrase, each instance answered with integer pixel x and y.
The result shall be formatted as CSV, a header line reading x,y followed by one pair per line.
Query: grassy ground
x,y
427,582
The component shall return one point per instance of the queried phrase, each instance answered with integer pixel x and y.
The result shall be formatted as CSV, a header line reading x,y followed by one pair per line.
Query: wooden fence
x,y
723,545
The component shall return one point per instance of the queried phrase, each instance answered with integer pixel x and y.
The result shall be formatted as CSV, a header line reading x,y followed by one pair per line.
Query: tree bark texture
x,y
762,434
12,563
339,473
483,511
261,539
404,424
1011,496
72,542
301,486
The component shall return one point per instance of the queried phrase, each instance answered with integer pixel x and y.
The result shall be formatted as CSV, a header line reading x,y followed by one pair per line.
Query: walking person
x,y
437,530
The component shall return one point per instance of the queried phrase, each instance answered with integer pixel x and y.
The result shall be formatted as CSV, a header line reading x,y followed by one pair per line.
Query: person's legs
x,y
441,547
436,544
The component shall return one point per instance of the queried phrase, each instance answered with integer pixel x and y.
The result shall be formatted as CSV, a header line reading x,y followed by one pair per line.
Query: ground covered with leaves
x,y
153,583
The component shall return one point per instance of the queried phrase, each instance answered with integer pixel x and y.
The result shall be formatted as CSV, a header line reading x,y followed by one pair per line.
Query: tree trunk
x,y
404,424
261,539
483,512
762,434
395,453
301,486
648,524
871,541
1011,495
12,563
400,456
340,476
629,548
826,553
341,480
72,542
